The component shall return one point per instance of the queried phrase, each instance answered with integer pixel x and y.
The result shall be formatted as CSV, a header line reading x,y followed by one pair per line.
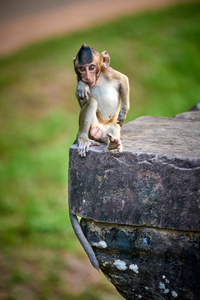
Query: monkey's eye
x,y
82,69
91,68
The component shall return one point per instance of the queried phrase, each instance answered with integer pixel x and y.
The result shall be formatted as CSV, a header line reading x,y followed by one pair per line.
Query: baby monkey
x,y
103,95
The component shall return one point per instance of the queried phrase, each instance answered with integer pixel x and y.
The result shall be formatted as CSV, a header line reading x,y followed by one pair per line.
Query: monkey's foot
x,y
83,146
114,143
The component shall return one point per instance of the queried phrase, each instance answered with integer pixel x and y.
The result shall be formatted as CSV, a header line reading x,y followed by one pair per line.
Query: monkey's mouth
x,y
91,83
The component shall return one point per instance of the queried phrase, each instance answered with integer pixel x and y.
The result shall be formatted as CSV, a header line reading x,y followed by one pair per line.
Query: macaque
x,y
103,95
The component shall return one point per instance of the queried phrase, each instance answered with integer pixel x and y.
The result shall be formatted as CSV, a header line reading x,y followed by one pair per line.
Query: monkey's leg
x,y
86,120
111,137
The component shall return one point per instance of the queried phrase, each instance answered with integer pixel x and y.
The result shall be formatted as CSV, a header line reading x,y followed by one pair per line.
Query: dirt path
x,y
27,27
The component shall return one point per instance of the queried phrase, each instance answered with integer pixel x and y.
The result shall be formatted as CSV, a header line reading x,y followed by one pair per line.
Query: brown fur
x,y
97,110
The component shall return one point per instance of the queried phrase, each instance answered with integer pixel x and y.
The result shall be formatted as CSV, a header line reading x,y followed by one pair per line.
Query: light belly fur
x,y
108,101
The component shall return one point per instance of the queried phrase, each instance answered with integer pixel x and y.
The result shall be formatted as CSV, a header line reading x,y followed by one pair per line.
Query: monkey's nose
x,y
87,77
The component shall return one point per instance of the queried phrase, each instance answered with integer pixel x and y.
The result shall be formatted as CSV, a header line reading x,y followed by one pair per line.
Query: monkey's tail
x,y
84,242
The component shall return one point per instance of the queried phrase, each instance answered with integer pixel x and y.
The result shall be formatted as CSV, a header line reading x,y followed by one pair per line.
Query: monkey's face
x,y
88,73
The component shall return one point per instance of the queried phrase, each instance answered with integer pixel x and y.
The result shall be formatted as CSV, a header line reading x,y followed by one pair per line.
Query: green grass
x,y
159,52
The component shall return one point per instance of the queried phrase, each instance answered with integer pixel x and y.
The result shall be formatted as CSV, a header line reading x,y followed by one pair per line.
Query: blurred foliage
x,y
159,52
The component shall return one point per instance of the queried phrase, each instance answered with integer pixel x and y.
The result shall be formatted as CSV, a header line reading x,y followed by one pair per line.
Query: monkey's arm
x,y
82,92
84,242
124,91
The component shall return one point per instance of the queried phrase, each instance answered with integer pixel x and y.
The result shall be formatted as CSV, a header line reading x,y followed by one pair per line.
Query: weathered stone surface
x,y
190,115
154,182
141,207
147,263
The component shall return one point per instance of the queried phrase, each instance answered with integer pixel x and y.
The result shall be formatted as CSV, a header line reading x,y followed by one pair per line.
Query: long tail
x,y
84,242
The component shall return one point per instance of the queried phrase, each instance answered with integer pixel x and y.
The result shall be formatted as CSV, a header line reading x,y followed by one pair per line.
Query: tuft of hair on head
x,y
84,55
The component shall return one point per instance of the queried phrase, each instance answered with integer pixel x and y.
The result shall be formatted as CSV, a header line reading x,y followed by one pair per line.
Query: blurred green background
x,y
40,257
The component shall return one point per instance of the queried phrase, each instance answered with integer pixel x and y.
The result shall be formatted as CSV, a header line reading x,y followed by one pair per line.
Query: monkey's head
x,y
88,64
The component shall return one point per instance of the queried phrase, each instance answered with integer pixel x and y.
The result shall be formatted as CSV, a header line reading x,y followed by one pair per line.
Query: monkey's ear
x,y
105,59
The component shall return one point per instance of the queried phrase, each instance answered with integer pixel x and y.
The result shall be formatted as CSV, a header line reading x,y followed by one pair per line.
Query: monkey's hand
x,y
83,90
83,145
121,118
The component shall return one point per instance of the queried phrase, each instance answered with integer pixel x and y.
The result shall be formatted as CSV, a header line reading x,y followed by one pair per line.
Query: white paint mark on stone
x,y
174,294
115,276
145,242
100,244
134,268
166,280
162,287
120,265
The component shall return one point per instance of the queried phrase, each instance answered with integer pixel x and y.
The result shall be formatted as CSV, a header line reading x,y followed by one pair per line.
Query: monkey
x,y
103,96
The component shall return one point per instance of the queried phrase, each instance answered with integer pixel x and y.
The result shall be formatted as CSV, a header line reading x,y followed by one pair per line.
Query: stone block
x,y
140,208
154,182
